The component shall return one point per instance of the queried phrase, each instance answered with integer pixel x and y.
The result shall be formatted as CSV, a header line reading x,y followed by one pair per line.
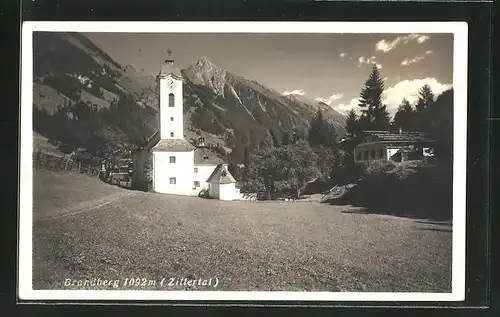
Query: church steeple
x,y
171,98
169,60
168,67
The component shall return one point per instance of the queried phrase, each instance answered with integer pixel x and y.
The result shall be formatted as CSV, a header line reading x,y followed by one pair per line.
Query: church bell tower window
x,y
171,100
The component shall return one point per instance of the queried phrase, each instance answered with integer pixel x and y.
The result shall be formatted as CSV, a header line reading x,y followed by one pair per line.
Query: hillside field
x,y
87,229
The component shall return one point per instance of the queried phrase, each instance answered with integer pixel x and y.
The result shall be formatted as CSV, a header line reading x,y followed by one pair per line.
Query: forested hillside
x,y
83,98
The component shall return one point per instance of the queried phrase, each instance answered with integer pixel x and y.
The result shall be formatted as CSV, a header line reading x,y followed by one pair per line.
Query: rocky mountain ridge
x,y
72,74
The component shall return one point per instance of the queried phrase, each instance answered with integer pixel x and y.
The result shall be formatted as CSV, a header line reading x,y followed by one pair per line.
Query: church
x,y
167,163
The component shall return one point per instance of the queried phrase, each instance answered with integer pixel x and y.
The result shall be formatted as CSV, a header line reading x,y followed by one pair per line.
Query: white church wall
x,y
202,173
181,171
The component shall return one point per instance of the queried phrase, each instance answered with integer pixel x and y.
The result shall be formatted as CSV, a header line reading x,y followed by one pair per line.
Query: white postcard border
x,y
459,29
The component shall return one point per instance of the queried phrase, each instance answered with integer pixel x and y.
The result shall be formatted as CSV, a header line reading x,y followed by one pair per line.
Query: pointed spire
x,y
169,60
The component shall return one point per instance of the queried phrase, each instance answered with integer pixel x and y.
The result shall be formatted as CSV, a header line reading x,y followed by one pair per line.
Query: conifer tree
x,y
351,123
374,115
425,98
405,116
321,132
423,108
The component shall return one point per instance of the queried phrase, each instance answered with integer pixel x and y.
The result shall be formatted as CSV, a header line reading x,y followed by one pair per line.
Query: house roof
x,y
207,156
391,137
173,145
221,175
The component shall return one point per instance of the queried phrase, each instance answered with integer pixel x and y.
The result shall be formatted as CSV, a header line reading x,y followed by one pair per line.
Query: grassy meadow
x,y
85,229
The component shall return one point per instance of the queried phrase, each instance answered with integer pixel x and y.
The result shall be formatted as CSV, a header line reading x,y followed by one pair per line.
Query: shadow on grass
x,y
436,229
427,194
427,214
443,223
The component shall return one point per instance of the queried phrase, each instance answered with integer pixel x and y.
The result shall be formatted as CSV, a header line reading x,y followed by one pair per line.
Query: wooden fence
x,y
63,164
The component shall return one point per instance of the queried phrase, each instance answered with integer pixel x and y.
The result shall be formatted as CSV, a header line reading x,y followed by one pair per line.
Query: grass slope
x,y
254,246
53,191
41,143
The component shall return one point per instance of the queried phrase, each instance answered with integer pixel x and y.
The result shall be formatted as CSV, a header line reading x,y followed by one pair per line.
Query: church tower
x,y
171,101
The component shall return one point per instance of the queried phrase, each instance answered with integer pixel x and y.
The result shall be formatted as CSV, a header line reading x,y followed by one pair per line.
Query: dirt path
x,y
81,207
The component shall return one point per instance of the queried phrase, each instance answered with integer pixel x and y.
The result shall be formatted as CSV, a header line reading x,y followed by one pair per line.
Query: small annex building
x,y
167,162
221,184
395,146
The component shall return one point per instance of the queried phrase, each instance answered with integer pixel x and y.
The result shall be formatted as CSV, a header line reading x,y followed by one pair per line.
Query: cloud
x,y
329,100
299,92
366,60
408,89
386,46
345,108
422,38
342,55
408,61
362,60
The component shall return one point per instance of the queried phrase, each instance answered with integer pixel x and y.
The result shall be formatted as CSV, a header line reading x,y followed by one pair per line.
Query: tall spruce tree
x,y
351,123
423,108
374,115
404,117
321,132
425,98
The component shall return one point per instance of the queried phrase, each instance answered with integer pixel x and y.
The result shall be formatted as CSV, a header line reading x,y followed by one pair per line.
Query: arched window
x,y
171,100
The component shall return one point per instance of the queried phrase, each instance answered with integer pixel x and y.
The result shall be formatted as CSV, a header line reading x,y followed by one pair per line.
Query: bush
x,y
403,189
379,168
382,169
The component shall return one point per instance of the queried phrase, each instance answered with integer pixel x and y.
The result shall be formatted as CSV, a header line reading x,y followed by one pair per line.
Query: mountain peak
x,y
205,73
204,59
204,64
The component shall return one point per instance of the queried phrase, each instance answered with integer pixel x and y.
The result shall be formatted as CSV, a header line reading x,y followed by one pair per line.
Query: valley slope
x,y
83,98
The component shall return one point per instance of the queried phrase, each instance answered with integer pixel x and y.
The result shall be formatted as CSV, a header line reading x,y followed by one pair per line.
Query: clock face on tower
x,y
170,83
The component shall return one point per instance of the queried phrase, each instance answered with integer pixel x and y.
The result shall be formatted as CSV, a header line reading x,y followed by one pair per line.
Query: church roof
x,y
169,68
173,145
148,144
221,175
207,156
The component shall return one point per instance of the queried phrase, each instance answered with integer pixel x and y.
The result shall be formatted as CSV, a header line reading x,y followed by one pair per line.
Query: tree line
x,y
100,130
429,114
288,167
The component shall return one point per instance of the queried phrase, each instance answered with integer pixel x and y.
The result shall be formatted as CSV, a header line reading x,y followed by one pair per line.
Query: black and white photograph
x,y
302,161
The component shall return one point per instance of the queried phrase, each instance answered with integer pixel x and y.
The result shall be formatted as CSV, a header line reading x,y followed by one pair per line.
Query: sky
x,y
327,67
